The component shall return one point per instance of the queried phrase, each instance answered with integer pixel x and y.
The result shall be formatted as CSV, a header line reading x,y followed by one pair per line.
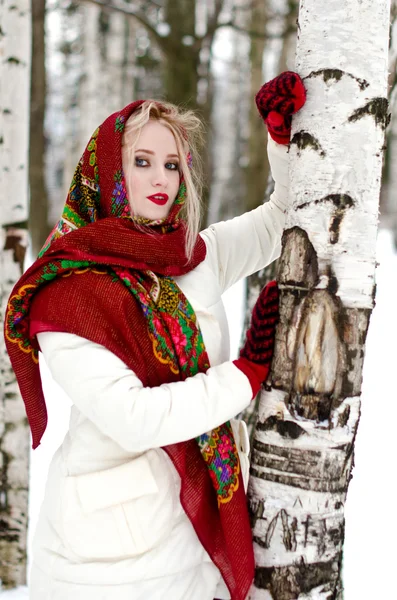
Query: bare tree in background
x,y
184,31
38,208
304,439
15,52
172,25
257,170
185,45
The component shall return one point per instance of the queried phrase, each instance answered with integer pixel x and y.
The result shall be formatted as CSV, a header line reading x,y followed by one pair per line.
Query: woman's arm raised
x,y
245,244
241,246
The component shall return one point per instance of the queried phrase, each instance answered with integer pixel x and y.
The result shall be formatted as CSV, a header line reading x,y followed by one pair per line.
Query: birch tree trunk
x,y
304,439
257,171
15,53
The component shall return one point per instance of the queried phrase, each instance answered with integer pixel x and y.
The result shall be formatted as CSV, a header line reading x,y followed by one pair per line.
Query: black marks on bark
x,y
4,485
343,417
7,533
288,582
341,202
287,429
334,227
315,470
13,60
377,108
332,285
288,531
304,140
256,512
313,406
306,528
336,75
298,502
16,240
327,74
298,265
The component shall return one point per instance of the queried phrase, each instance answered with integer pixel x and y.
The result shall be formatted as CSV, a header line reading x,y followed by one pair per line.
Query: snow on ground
x,y
371,527
370,555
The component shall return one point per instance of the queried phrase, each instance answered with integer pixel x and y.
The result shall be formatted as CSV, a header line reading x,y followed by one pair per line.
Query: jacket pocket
x,y
119,512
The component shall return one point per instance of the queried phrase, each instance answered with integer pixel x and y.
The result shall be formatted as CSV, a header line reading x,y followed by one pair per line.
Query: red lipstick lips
x,y
159,199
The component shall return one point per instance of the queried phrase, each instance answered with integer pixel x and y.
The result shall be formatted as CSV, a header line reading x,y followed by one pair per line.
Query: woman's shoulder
x,y
79,292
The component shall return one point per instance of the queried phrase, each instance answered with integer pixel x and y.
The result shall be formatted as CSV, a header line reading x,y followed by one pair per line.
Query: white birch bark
x,y
229,118
71,36
101,91
93,91
304,440
100,78
15,59
128,73
62,44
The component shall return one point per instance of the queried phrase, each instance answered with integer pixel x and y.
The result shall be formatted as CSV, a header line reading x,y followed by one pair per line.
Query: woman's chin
x,y
153,213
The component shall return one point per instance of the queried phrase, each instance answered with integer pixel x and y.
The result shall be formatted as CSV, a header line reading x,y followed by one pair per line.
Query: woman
x,y
145,497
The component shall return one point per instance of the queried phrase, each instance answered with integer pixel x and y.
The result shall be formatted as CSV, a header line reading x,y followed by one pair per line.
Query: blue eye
x,y
172,166
139,161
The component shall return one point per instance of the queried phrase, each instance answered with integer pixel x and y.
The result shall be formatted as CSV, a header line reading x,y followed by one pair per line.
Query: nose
x,y
160,177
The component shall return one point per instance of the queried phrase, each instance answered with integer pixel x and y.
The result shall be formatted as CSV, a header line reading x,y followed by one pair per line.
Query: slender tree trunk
x,y
182,57
92,95
128,63
229,124
38,213
287,56
257,171
304,439
112,32
73,29
15,52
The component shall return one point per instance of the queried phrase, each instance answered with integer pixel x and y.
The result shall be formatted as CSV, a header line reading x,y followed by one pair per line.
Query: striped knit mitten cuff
x,y
259,342
277,101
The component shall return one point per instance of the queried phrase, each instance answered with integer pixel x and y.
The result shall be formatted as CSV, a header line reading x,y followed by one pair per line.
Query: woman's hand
x,y
257,353
277,101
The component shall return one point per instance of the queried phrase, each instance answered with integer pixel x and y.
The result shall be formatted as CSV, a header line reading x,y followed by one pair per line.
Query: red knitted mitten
x,y
257,353
277,101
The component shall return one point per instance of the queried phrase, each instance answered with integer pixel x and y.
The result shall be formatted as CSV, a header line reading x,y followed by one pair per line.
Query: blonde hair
x,y
187,130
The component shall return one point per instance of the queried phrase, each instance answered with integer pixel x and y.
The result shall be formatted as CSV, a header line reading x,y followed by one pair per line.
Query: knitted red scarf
x,y
97,274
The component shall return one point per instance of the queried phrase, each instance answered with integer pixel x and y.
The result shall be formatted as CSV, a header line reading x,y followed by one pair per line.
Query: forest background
x,y
89,59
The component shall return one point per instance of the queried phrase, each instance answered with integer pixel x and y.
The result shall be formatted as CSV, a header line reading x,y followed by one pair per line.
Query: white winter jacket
x,y
111,526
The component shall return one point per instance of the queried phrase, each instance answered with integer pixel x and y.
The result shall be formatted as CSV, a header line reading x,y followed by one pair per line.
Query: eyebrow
x,y
150,152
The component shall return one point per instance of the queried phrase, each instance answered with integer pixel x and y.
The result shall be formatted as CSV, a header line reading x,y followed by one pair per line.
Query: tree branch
x,y
130,11
212,24
258,34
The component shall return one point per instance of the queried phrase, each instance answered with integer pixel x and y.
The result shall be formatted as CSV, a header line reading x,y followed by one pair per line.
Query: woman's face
x,y
153,177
